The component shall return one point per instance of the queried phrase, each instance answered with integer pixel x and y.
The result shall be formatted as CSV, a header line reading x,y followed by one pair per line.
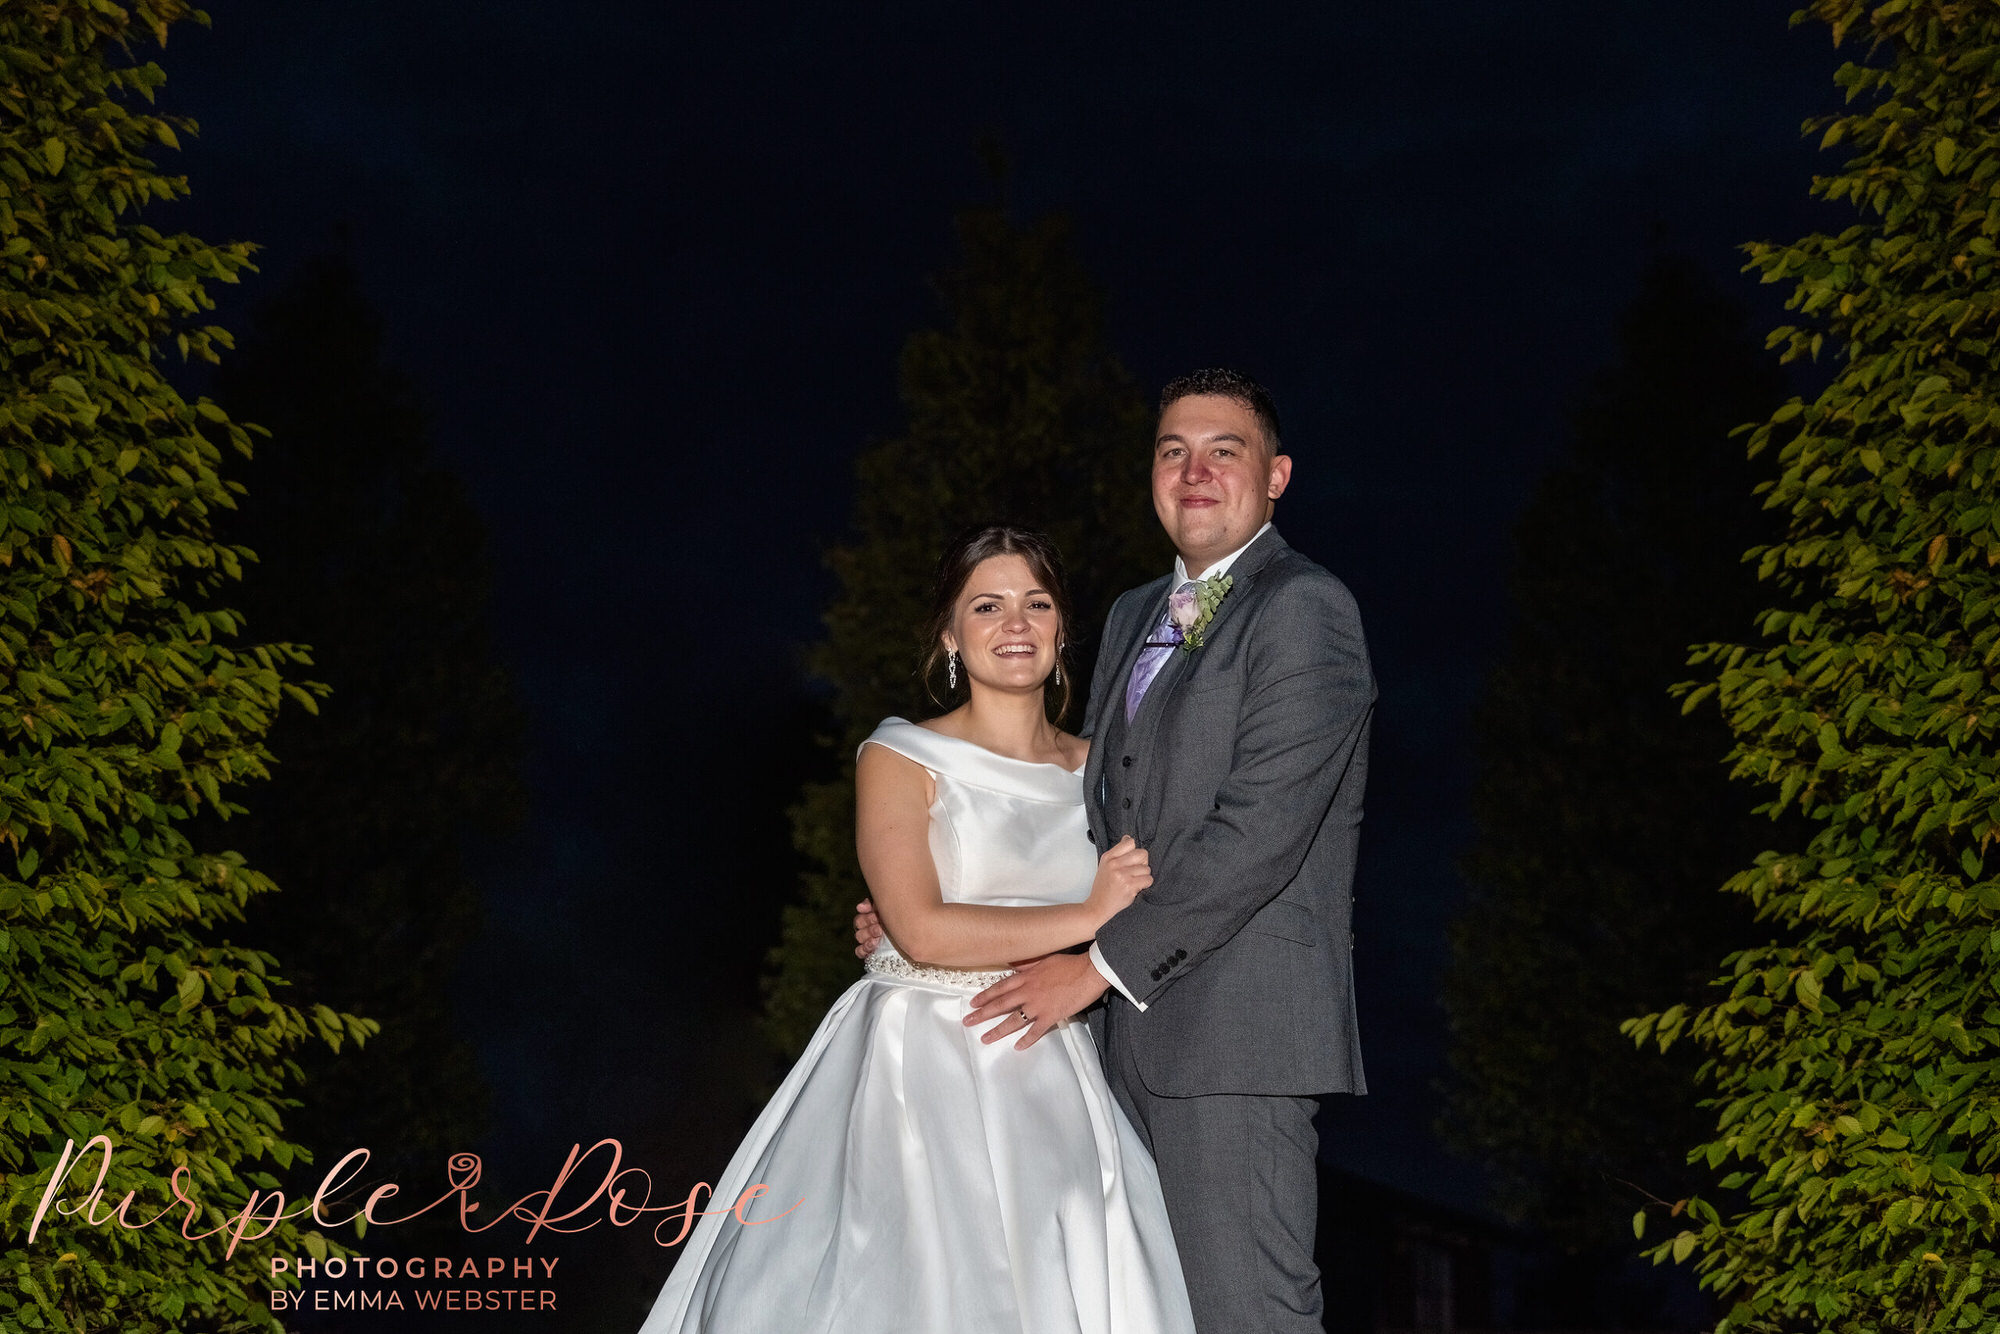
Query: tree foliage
x,y
126,706
369,549
1017,410
1604,820
1855,1062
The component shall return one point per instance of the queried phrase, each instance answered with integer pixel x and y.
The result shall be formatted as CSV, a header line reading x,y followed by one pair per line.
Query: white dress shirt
x,y
1220,567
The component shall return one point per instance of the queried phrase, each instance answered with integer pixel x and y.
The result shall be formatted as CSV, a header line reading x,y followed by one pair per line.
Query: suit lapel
x,y
1155,608
1242,572
1152,608
1112,728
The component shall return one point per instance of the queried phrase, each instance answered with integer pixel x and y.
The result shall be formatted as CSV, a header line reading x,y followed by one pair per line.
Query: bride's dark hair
x,y
960,559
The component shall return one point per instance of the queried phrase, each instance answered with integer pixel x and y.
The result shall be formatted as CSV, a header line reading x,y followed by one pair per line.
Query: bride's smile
x,y
1007,626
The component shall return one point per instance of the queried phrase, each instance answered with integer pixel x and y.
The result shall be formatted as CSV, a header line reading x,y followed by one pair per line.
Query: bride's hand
x,y
1122,872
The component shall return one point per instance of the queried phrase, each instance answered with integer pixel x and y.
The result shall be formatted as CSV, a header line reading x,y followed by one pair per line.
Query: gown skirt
x,y
941,1185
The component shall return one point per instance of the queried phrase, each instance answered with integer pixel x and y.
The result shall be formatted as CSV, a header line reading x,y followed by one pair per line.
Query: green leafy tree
x,y
1855,1061
370,550
1604,821
125,707
1017,409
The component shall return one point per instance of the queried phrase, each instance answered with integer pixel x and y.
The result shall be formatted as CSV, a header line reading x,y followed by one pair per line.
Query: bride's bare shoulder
x,y
1075,749
950,724
883,773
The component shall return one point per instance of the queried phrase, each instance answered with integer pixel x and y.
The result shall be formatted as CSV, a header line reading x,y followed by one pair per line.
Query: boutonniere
x,y
1192,609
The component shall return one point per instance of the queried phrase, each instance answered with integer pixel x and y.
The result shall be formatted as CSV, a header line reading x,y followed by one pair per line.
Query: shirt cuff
x,y
1097,961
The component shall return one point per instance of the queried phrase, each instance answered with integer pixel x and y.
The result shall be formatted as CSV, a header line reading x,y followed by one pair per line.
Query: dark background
x,y
651,266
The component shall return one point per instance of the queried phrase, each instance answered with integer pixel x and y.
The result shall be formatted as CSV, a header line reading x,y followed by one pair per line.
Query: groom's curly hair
x,y
1235,385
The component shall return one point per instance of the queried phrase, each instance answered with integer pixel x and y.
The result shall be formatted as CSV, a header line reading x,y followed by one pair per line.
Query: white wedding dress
x,y
946,1186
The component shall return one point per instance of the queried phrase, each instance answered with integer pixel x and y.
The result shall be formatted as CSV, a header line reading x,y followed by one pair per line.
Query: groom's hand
x,y
867,929
1041,994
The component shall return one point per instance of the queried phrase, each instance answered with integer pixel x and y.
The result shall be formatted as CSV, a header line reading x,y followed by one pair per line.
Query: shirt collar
x,y
1221,567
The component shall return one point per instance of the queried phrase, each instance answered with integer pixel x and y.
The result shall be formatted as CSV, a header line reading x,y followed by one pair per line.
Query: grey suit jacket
x,y
1242,775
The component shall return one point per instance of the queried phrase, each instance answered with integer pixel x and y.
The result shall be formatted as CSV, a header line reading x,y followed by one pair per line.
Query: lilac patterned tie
x,y
1165,639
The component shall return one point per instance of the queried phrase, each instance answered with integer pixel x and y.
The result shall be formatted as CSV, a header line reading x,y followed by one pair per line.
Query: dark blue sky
x,y
651,267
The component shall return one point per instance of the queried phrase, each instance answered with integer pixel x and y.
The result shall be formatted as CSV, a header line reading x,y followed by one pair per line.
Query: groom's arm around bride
x,y
1240,765
1247,794
1245,786
1229,718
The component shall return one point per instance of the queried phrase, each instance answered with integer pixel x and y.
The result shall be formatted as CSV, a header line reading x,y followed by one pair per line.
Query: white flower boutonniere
x,y
1192,609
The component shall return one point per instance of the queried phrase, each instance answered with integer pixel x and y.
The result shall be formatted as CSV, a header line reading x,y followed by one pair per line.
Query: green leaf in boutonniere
x,y
1192,609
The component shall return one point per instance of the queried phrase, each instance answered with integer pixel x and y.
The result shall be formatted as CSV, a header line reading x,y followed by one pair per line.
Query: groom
x,y
1229,730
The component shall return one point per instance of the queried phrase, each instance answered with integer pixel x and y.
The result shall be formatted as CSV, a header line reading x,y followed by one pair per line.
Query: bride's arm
x,y
892,836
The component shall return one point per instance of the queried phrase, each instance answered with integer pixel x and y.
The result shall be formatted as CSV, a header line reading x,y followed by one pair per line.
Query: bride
x,y
945,1183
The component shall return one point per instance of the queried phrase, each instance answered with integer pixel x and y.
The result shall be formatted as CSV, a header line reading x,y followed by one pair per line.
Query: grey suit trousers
x,y
1243,1198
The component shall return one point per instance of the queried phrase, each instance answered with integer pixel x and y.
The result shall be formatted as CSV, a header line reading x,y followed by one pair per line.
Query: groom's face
x,y
1215,479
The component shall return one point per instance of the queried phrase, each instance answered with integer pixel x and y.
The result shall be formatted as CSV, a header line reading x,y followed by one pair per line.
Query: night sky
x,y
651,267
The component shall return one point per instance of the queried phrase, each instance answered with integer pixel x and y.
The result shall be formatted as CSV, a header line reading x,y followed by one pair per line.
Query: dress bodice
x,y
1002,831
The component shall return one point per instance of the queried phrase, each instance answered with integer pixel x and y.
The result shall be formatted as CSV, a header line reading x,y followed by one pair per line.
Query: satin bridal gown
x,y
945,1186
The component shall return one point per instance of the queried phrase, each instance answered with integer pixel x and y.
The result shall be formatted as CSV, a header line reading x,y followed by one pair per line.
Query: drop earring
x,y
1058,679
951,670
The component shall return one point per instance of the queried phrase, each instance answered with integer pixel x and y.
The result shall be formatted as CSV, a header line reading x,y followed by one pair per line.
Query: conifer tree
x,y
1854,1061
370,551
1604,821
127,705
1017,410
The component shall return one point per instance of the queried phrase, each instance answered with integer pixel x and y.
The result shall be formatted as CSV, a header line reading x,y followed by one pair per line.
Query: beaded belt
x,y
891,964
